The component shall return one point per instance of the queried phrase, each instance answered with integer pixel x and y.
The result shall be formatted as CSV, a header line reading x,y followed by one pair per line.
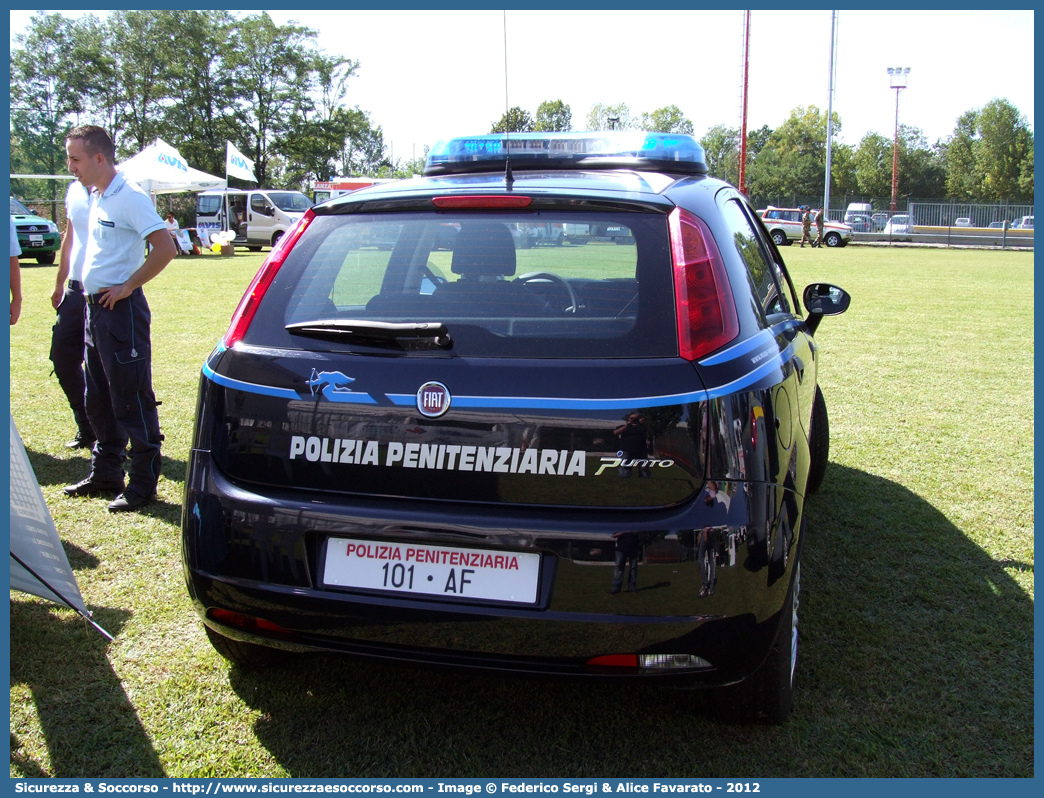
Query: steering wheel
x,y
548,277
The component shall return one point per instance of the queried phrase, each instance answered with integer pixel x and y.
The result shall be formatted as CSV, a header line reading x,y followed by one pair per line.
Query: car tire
x,y
249,655
46,259
833,240
818,443
275,239
254,249
767,695
779,238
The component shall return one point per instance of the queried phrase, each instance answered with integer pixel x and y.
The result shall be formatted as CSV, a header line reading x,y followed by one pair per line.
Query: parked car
x,y
38,237
1025,223
898,225
784,225
963,221
997,225
878,221
452,458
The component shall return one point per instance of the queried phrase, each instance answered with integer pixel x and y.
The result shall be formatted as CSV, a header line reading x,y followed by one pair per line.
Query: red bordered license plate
x,y
447,571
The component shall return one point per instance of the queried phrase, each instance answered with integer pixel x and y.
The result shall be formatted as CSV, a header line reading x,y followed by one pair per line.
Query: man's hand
x,y
110,296
56,296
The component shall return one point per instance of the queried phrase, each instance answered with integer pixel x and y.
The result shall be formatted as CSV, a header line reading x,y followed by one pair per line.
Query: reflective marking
x,y
752,377
249,387
559,403
763,339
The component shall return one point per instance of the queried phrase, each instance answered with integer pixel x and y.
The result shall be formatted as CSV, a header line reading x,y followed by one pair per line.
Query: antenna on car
x,y
508,177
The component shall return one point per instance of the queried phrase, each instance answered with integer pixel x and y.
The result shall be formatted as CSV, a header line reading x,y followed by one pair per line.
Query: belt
x,y
75,285
96,299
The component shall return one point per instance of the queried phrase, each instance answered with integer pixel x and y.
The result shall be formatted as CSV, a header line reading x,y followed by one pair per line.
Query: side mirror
x,y
824,299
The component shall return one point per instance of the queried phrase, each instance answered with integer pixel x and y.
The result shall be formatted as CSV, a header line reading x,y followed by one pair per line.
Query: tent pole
x,y
65,601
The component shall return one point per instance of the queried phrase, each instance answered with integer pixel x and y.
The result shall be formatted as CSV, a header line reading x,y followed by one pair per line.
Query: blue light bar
x,y
638,150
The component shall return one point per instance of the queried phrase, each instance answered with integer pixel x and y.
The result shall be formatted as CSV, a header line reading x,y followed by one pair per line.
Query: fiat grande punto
x,y
573,438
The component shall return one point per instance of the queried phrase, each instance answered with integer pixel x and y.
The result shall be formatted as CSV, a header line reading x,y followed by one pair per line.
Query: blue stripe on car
x,y
748,380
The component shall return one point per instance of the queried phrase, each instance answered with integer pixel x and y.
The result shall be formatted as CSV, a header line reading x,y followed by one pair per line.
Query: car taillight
x,y
263,279
483,201
707,317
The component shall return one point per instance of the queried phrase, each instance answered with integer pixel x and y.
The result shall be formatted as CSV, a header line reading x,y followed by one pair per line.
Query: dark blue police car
x,y
575,437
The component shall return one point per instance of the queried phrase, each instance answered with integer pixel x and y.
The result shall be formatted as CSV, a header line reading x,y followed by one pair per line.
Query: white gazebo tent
x,y
160,169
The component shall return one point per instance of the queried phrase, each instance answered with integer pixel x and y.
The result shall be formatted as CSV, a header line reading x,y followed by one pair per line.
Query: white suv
x,y
784,225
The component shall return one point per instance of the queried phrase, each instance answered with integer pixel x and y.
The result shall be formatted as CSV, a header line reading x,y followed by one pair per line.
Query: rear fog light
x,y
247,623
650,662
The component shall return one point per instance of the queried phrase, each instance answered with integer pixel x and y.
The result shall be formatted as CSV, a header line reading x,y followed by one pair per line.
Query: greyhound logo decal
x,y
330,383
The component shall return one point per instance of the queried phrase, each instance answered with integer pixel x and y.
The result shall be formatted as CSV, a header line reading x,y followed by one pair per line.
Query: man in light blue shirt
x,y
67,336
120,402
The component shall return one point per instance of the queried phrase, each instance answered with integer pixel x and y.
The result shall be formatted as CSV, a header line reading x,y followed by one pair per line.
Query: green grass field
x,y
916,625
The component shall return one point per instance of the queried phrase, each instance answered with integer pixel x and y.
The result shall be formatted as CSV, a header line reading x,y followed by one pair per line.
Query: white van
x,y
258,216
857,209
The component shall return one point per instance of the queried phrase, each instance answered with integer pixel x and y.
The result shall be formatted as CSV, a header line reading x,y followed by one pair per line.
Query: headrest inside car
x,y
484,249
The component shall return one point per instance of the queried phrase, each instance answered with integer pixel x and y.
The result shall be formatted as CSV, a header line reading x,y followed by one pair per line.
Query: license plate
x,y
446,571
35,239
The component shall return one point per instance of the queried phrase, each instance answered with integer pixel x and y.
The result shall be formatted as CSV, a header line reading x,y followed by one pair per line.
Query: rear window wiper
x,y
407,335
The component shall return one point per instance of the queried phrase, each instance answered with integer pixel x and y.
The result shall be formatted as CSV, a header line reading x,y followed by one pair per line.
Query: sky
x,y
427,75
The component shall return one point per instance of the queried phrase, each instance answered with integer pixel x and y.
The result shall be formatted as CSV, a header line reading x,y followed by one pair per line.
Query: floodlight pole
x,y
743,128
897,81
831,79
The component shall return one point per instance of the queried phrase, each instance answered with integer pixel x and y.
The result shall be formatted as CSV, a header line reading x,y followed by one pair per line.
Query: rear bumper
x,y
260,554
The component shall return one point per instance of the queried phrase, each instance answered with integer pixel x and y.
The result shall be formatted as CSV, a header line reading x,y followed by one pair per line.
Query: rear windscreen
x,y
538,284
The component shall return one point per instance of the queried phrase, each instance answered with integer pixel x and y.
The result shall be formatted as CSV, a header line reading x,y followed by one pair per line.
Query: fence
x,y
946,214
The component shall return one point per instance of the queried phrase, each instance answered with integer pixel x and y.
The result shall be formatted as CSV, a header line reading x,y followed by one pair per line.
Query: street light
x,y
897,81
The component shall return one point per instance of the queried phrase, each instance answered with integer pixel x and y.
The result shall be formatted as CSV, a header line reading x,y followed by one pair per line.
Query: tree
x,y
609,117
148,43
721,148
960,158
200,77
757,142
668,119
46,91
873,166
273,68
921,169
842,170
986,156
514,120
552,116
1005,142
800,154
1026,174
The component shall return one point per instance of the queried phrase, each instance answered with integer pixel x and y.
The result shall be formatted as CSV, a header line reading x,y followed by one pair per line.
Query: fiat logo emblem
x,y
433,399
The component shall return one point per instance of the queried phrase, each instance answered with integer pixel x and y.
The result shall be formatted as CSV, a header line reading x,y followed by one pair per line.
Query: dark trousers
x,y
631,560
120,402
67,353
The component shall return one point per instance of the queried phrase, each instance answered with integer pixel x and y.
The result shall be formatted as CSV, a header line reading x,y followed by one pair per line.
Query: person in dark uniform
x,y
634,444
120,402
67,298
628,546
